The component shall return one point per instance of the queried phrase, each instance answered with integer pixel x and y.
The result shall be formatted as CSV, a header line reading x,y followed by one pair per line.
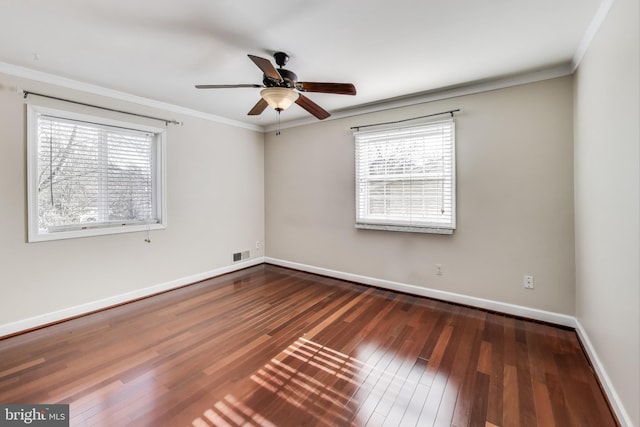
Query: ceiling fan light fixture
x,y
279,98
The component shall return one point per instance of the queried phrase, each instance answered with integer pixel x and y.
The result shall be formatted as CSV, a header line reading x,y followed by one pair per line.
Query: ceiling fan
x,y
281,88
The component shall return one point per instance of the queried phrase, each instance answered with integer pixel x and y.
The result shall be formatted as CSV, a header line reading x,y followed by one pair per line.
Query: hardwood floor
x,y
268,346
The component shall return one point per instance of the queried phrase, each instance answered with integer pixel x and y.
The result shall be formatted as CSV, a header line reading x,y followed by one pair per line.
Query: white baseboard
x,y
78,310
502,307
601,373
516,310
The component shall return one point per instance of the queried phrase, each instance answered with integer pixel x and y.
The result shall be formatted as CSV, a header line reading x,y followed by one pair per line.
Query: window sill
x,y
405,228
89,232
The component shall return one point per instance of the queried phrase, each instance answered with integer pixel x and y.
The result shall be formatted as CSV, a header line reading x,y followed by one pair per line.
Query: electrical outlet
x,y
527,281
439,269
258,244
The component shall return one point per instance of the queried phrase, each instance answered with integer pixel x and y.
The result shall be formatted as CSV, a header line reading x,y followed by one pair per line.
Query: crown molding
x,y
588,36
431,96
389,104
40,76
439,94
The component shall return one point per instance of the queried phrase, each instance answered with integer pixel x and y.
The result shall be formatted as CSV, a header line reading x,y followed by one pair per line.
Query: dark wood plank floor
x,y
269,346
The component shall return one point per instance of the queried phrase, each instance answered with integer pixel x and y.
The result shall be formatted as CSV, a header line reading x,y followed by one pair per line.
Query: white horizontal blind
x,y
405,177
93,175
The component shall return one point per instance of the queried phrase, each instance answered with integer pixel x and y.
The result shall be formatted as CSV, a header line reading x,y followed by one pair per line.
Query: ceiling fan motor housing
x,y
289,79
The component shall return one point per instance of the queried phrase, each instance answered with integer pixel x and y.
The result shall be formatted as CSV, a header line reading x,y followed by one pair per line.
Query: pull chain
x,y
278,129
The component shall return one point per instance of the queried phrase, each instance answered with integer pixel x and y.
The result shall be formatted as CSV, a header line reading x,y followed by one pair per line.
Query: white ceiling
x,y
159,49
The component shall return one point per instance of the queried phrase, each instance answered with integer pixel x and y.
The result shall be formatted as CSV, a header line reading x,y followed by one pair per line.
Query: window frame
x,y
35,234
400,225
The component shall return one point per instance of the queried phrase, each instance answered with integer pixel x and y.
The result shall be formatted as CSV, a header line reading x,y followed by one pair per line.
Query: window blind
x,y
405,178
93,175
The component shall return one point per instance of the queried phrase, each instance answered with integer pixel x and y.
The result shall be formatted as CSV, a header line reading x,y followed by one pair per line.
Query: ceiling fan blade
x,y
226,86
338,88
258,108
313,108
267,68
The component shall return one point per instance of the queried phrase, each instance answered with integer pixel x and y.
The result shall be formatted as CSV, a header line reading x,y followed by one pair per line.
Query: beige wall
x,y
515,174
215,207
607,159
515,200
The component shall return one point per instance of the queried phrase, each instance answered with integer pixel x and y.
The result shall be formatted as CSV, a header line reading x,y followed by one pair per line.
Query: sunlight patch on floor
x,y
327,385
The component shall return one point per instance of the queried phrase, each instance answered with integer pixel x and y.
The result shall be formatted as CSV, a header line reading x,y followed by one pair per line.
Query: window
x,y
405,178
89,176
